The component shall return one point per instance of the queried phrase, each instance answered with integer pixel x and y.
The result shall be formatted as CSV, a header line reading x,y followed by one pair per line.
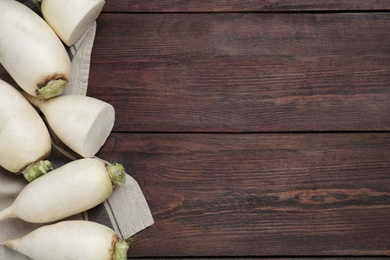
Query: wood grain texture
x,y
254,128
243,5
244,72
260,194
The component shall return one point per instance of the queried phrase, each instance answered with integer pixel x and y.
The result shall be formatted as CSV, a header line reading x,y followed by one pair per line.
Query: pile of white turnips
x,y
33,113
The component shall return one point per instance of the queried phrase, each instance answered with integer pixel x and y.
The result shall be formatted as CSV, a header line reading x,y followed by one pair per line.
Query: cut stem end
x,y
36,170
53,88
121,248
117,173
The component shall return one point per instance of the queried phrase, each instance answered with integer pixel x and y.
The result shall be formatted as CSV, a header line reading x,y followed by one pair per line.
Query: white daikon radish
x,y
25,142
68,190
31,51
70,19
72,239
82,123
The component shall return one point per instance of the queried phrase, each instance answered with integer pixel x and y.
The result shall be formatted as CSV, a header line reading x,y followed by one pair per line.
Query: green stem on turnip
x,y
53,88
37,169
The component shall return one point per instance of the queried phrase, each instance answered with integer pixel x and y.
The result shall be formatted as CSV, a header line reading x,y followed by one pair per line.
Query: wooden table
x,y
254,127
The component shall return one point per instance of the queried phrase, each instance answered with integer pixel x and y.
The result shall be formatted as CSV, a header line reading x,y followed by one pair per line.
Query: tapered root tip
x,y
7,243
6,213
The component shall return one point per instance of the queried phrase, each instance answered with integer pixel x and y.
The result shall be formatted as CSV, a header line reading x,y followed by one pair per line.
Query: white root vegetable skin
x,y
31,51
70,19
82,123
76,240
70,189
24,137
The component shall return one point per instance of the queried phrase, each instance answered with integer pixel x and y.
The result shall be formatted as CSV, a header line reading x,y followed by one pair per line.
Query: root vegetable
x,y
70,19
82,123
25,142
73,239
70,189
31,52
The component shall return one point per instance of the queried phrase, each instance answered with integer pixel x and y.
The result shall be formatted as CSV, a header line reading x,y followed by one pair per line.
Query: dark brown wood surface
x,y
158,6
254,128
245,72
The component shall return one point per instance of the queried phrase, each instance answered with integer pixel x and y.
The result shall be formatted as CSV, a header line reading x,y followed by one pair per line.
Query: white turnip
x,y
31,51
68,190
72,239
25,142
70,19
82,123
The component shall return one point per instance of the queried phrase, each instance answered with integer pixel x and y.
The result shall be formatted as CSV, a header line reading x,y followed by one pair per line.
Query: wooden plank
x,y
244,72
244,5
260,194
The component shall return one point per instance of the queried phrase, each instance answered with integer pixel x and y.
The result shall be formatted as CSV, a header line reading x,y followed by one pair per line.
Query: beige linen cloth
x,y
126,211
